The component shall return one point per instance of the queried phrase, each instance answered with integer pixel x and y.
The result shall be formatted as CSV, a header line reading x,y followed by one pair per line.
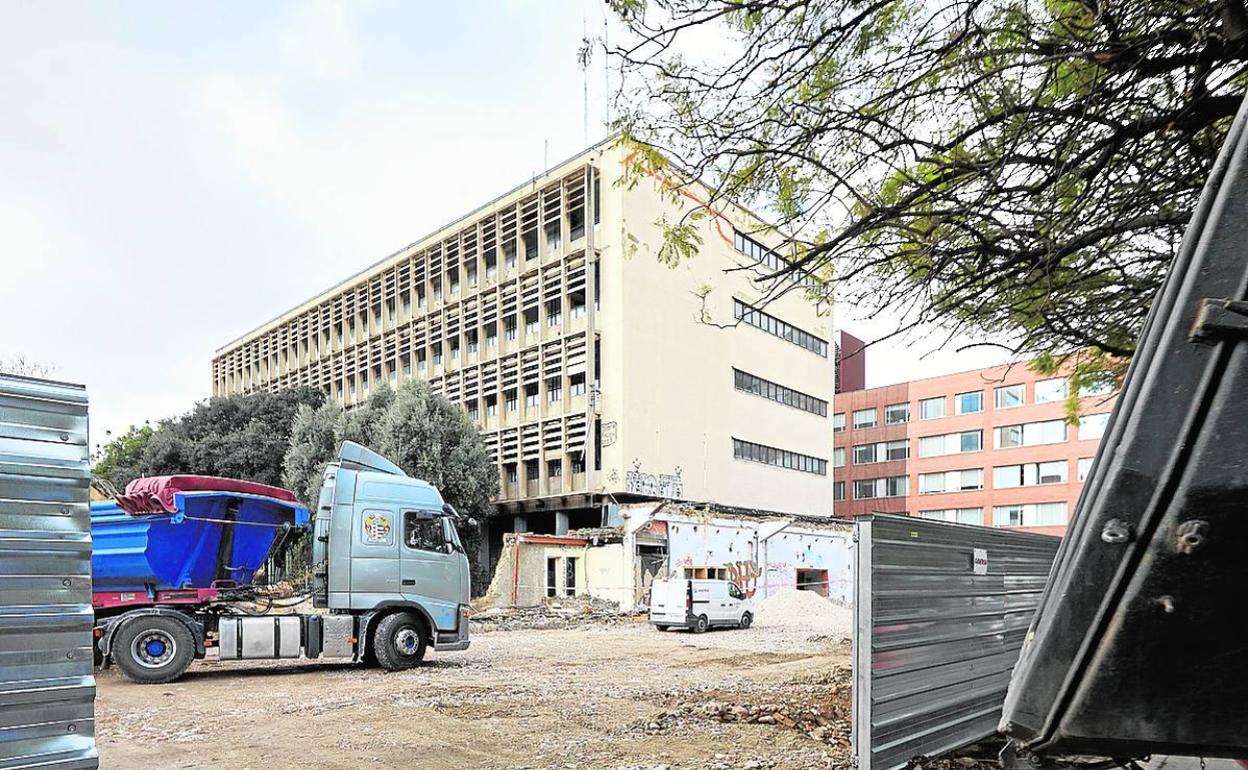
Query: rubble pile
x,y
817,707
805,612
562,613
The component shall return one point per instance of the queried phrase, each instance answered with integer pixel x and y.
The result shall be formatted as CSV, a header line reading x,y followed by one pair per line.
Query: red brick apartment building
x,y
989,446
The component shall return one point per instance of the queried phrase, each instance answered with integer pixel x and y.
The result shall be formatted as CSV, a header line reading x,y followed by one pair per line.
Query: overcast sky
x,y
174,174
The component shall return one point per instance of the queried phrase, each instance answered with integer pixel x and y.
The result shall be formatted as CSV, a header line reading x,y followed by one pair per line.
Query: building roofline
x,y
354,277
687,508
936,377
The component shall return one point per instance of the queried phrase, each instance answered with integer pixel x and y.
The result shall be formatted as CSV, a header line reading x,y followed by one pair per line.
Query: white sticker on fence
x,y
979,561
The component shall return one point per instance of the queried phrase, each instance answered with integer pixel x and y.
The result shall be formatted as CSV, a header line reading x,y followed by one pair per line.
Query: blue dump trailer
x,y
175,558
212,538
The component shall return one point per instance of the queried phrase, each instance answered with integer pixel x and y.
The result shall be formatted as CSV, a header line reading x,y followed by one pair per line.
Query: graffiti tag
x,y
745,574
656,485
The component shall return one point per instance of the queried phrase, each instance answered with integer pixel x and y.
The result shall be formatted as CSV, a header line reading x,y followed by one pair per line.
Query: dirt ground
x,y
598,696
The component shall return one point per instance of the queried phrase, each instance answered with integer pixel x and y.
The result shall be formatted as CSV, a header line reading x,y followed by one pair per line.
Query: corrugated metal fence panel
x,y
47,686
935,638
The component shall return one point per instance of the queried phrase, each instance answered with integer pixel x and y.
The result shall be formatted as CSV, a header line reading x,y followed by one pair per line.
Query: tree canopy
x,y
1017,171
241,436
420,431
120,459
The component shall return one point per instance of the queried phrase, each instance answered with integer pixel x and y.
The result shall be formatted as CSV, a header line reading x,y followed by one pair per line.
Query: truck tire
x,y
701,624
661,626
400,641
153,650
746,620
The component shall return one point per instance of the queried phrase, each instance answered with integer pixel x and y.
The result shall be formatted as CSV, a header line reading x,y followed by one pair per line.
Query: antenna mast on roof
x,y
606,75
585,59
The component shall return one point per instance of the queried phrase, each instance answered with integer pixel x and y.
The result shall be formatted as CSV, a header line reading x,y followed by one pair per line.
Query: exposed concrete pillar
x,y
561,523
520,524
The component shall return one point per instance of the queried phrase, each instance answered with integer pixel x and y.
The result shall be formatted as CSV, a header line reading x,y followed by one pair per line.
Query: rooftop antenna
x,y
545,155
606,75
585,56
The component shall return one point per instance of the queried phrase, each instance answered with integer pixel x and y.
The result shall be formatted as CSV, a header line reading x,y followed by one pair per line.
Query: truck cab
x,y
385,543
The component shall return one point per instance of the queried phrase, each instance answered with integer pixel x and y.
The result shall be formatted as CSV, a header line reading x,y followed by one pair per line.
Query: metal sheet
x,y
47,686
940,612
339,636
1139,644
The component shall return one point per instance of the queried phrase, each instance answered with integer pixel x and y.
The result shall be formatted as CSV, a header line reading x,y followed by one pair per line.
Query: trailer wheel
x,y
153,650
399,641
701,624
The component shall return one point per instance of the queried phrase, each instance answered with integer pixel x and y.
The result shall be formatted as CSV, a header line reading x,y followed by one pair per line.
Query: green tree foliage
x,y
1015,170
420,431
242,436
119,460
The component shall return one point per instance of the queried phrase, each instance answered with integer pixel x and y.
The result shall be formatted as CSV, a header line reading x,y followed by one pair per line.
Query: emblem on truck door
x,y
377,528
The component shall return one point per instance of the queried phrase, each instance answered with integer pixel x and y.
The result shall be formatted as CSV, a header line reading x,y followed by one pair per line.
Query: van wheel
x,y
746,620
399,641
701,624
661,626
153,650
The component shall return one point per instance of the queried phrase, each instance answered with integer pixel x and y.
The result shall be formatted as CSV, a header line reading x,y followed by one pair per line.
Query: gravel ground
x,y
597,696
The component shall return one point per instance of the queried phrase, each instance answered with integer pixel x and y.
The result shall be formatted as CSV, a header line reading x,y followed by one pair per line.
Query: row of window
x,y
879,452
1004,397
781,458
967,480
888,486
1020,515
1009,436
750,383
1003,476
782,329
768,258
554,468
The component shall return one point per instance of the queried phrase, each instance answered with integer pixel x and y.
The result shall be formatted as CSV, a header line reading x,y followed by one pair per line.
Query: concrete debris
x,y
561,613
816,707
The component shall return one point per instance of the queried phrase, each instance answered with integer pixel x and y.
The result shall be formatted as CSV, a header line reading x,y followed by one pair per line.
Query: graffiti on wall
x,y
745,574
609,431
656,485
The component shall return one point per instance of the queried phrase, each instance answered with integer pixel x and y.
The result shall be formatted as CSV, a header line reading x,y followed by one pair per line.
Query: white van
x,y
698,604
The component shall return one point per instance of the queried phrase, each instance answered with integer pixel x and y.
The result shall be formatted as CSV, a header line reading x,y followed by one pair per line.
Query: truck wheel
x,y
399,641
746,620
701,624
153,650
661,626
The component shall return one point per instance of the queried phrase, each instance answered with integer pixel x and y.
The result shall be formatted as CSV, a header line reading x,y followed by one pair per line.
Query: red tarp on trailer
x,y
154,494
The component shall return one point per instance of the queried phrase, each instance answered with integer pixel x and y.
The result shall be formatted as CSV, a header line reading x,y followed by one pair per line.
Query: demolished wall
x,y
764,555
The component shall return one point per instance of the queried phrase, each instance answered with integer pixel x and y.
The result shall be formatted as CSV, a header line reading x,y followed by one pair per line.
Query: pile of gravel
x,y
807,612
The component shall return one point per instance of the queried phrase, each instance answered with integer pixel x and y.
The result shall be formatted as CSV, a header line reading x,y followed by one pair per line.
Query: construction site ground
x,y
603,694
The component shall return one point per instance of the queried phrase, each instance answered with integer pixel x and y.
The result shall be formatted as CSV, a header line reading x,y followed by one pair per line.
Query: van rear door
x,y
668,602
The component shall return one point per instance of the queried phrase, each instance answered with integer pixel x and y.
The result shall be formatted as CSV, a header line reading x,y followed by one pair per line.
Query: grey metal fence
x,y
47,686
940,614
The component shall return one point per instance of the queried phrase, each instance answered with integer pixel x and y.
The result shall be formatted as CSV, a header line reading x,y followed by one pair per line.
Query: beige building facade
x,y
597,373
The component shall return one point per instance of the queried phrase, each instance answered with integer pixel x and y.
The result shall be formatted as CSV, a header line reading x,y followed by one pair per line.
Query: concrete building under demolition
x,y
598,374
762,553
